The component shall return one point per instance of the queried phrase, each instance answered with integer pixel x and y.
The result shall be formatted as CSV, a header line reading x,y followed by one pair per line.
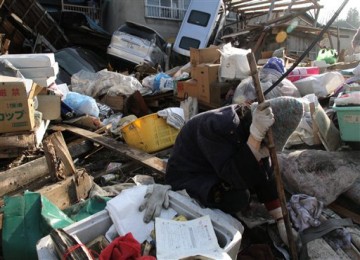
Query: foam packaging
x,y
228,230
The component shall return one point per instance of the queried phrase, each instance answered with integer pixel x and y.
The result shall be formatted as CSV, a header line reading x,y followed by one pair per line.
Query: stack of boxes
x,y
204,83
26,104
40,67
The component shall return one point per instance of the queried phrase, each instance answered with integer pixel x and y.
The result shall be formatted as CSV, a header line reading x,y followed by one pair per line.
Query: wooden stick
x,y
274,160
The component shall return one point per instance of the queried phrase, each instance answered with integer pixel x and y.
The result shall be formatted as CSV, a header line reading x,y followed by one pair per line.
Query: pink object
x,y
302,72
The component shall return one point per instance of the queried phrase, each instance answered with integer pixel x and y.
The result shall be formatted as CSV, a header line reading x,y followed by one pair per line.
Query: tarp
x,y
30,217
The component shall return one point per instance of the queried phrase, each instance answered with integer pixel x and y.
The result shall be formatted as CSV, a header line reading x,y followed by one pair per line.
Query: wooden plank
x,y
16,178
344,212
143,158
54,166
314,126
18,140
69,191
320,249
63,153
331,212
328,133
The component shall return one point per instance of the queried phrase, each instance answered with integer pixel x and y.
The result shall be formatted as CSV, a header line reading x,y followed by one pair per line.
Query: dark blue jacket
x,y
211,148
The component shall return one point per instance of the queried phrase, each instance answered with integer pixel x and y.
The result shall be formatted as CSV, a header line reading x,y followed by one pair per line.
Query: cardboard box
x,y
17,104
218,91
205,74
205,55
49,106
114,102
187,88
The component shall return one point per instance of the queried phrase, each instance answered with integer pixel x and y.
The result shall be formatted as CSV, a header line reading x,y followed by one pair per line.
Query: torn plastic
x,y
105,82
32,216
245,91
27,219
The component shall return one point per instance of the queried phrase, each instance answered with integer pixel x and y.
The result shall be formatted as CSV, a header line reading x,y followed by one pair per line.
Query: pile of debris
x,y
80,147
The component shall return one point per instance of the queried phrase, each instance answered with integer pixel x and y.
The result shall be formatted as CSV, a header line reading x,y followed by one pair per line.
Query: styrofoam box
x,y
40,72
31,60
228,230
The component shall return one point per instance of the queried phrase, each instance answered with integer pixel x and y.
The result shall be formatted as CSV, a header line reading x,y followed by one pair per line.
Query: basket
x,y
349,122
149,133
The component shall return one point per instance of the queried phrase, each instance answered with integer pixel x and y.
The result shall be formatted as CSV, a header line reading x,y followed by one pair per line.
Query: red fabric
x,y
124,248
272,204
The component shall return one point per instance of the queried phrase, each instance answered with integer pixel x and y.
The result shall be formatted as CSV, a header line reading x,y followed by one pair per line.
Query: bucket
x,y
149,133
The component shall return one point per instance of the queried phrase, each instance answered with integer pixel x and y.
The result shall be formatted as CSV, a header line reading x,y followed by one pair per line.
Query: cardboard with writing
x,y
17,104
186,88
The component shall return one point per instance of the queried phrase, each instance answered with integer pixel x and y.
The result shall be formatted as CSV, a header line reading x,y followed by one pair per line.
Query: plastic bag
x,y
190,107
234,63
82,104
148,82
174,116
245,91
103,82
321,85
328,55
348,99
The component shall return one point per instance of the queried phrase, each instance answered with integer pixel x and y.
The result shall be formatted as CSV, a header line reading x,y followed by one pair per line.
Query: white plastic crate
x,y
228,230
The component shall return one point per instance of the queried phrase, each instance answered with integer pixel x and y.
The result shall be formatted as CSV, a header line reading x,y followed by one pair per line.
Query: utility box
x,y
349,122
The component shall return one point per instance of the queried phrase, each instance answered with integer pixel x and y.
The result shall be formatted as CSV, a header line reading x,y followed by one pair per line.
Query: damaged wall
x,y
115,13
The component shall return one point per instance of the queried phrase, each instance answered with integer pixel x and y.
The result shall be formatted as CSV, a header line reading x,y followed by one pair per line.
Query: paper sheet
x,y
125,214
180,239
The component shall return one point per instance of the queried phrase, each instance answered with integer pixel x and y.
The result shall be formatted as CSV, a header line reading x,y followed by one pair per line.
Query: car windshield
x,y
143,32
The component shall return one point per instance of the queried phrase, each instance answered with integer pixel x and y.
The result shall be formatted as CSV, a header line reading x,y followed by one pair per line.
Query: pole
x,y
274,160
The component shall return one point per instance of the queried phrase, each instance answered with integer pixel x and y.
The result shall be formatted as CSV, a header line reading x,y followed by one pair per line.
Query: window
x,y
166,9
231,16
199,18
187,42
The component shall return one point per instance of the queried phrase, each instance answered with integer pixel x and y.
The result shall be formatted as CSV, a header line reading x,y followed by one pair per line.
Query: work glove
x,y
262,120
156,197
282,232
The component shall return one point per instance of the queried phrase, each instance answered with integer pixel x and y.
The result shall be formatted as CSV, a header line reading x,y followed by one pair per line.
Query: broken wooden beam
x,y
66,192
22,175
16,178
143,158
69,191
58,157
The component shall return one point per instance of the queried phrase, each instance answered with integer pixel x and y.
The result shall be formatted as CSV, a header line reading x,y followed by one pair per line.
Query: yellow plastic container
x,y
149,133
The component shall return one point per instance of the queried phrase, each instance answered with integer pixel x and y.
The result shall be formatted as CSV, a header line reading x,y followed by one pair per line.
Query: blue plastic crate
x,y
349,122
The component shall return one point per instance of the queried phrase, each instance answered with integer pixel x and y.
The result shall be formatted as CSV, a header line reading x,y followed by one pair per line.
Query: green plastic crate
x,y
349,122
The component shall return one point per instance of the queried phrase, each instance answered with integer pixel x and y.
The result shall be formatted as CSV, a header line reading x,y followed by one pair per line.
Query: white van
x,y
201,23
